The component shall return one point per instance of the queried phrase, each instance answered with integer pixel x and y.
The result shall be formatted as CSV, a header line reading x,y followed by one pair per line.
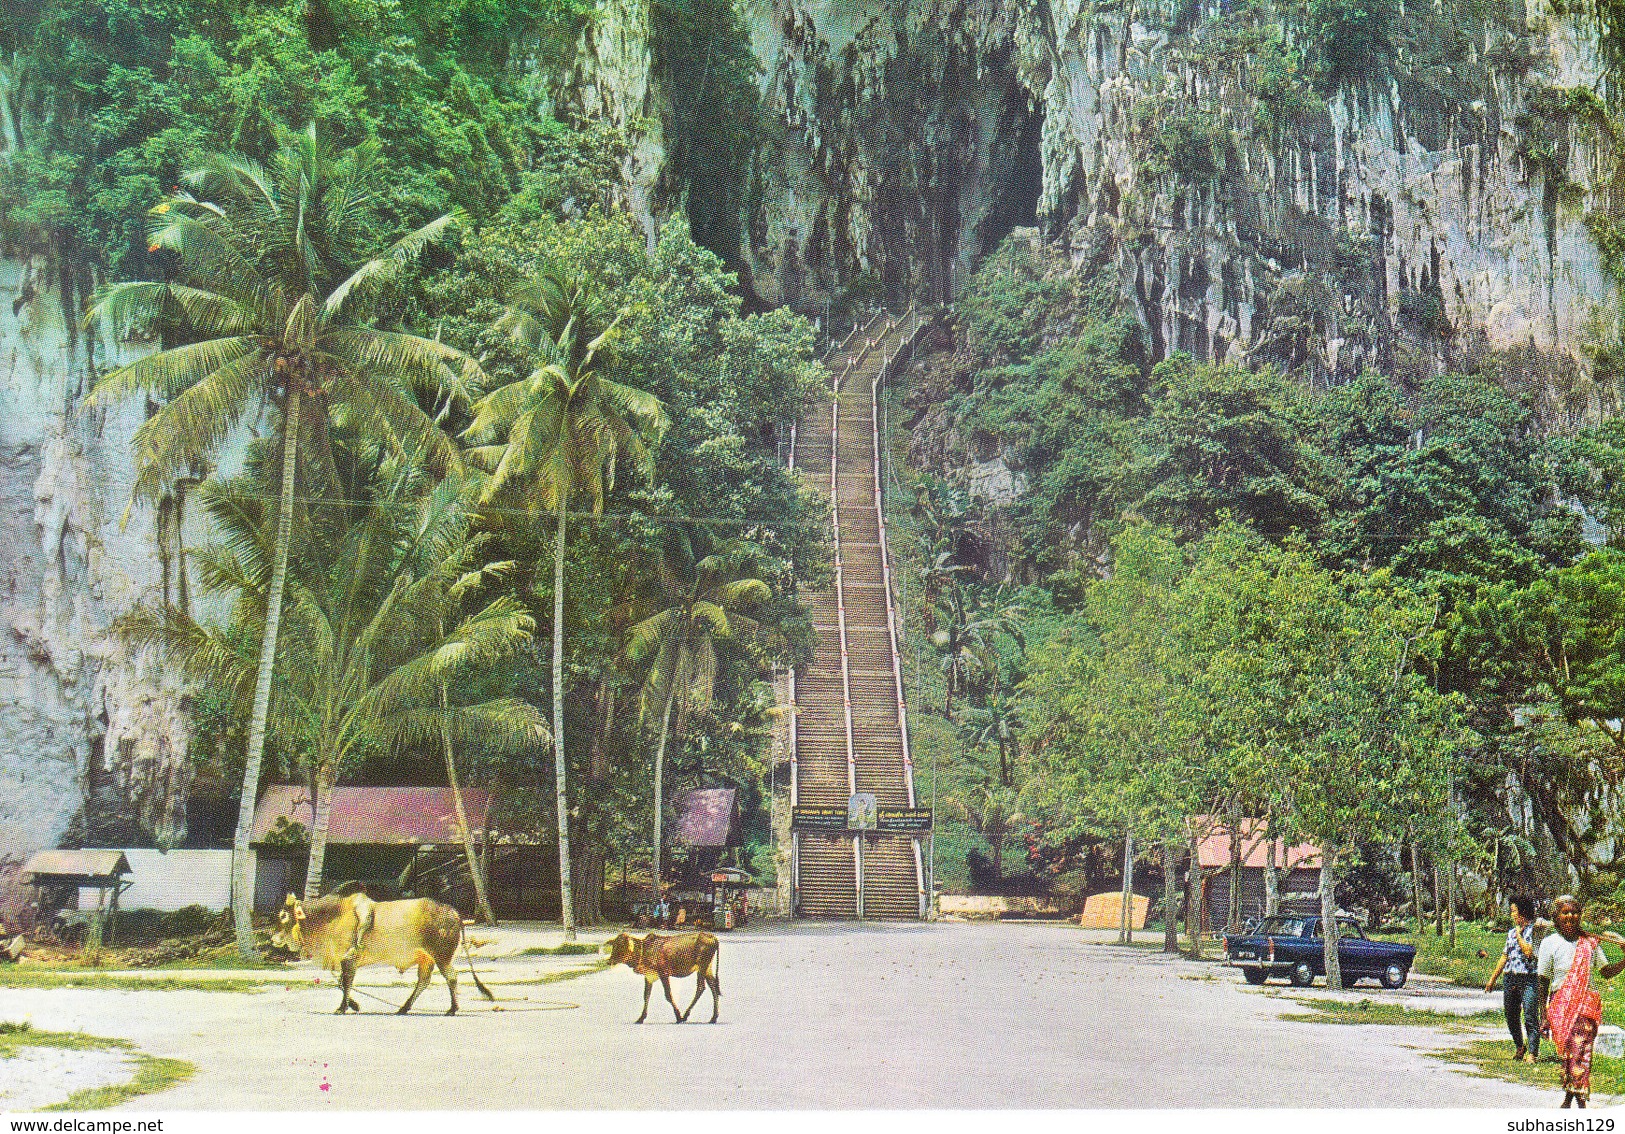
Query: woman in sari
x,y
1574,1006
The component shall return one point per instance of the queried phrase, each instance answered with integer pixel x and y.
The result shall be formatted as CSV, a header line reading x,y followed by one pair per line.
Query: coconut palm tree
x,y
275,292
703,594
367,665
558,435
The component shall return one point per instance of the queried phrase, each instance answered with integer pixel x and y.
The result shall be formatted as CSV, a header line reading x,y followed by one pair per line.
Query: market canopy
x,y
707,817
375,816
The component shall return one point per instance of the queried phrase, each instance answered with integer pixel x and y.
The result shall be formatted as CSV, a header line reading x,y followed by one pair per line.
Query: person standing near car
x,y
1519,996
1574,1008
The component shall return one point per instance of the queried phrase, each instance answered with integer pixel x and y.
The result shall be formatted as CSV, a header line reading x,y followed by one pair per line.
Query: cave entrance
x,y
1016,173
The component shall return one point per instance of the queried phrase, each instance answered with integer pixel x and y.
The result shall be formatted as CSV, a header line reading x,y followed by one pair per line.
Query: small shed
x,y
61,877
707,818
707,825
376,835
1297,869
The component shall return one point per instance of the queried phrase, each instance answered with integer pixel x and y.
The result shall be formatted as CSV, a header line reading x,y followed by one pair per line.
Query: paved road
x,y
813,1016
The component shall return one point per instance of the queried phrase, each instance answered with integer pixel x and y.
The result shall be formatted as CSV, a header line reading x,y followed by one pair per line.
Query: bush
x,y
1350,39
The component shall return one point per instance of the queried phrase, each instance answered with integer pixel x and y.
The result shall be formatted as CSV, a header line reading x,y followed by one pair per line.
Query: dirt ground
x,y
812,1016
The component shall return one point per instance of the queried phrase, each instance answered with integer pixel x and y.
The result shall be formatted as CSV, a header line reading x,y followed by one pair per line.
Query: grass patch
x,y
89,978
14,1037
1386,1012
554,978
152,1074
568,949
1492,1059
1462,965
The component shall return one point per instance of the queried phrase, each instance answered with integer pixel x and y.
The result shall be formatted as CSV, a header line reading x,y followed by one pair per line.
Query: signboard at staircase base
x,y
836,819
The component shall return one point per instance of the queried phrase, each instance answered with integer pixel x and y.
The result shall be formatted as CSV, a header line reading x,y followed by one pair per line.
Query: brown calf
x,y
662,958
348,930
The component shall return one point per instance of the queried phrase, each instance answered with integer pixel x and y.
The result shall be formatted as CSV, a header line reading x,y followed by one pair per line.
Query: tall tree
x,y
703,591
1116,712
275,293
557,435
1322,672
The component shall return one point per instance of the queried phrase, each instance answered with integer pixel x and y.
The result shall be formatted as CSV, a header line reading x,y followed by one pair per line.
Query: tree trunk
x,y
1416,887
1170,923
590,865
566,900
1328,913
1232,919
660,781
1196,914
1272,881
1453,892
995,835
482,902
1438,904
242,890
1125,930
326,778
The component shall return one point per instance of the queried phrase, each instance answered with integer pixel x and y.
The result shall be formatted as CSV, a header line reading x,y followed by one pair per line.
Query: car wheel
x,y
1303,974
1394,976
1255,976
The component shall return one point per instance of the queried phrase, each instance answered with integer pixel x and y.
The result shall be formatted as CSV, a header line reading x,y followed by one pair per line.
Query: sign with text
x,y
905,820
818,818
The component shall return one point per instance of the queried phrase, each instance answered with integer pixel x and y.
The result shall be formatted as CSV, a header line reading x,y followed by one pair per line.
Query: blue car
x,y
1292,947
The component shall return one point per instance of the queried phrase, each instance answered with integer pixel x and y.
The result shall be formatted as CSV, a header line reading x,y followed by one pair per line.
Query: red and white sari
x,y
1573,1014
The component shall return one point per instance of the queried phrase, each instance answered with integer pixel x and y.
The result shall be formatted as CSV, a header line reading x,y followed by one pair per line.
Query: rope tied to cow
x,y
530,1005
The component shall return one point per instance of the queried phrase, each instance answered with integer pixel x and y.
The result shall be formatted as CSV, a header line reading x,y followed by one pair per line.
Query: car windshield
x,y
1281,927
1347,927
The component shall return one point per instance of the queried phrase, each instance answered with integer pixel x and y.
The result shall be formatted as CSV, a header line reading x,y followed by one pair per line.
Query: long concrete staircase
x,y
850,733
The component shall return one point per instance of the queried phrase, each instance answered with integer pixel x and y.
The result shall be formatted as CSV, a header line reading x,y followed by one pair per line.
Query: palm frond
x,y
208,255
143,305
385,413
742,593
367,281
169,372
430,367
505,726
181,434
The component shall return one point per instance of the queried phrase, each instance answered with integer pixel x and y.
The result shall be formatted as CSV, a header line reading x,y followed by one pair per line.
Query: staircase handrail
x,y
884,373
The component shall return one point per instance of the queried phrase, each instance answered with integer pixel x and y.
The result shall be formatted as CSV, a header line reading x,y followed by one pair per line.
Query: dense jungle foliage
x,y
1363,612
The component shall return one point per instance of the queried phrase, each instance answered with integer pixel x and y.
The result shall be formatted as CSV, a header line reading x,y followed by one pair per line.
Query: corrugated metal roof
x,y
75,864
372,816
1213,848
705,817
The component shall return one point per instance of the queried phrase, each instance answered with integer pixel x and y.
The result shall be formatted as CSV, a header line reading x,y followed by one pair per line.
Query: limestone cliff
x,y
1257,203
80,711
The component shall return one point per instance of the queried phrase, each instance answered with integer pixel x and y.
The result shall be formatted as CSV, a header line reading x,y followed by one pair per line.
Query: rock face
x,y
1425,206
82,713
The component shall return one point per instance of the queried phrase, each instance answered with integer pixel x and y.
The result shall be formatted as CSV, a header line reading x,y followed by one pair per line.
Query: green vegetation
x,y
1350,40
567,949
1231,571
22,976
245,175
153,1074
1489,1059
1387,1012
